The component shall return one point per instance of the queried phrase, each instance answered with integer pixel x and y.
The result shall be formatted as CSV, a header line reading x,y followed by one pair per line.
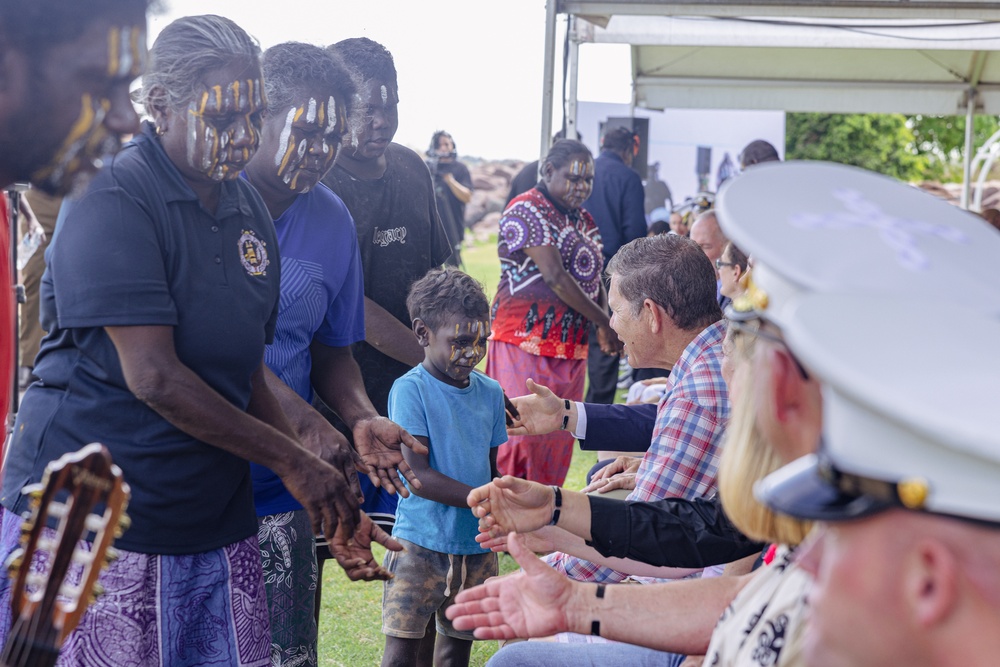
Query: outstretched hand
x,y
354,553
529,603
379,441
540,412
509,504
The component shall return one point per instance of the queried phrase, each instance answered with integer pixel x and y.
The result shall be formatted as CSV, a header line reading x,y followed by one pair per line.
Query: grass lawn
x,y
351,619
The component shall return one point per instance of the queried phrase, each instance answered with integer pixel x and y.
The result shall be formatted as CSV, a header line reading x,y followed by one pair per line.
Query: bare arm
x,y
462,193
538,601
314,432
262,434
436,486
565,286
390,336
337,379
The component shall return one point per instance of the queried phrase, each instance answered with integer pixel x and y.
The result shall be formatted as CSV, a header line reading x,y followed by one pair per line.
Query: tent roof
x,y
805,63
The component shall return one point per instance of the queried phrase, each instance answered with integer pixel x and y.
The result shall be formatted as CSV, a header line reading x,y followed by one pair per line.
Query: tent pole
x,y
548,77
970,117
572,72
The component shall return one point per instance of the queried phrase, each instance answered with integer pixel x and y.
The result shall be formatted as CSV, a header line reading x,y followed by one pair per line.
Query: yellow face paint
x,y
88,140
224,128
308,142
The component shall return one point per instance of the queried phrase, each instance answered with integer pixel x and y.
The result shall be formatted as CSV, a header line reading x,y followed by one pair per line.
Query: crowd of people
x,y
255,305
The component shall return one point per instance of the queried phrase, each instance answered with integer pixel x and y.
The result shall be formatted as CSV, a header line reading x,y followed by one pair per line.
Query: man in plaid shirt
x,y
664,309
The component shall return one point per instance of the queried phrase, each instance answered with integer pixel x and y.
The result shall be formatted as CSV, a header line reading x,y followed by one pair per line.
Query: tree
x,y
942,140
878,142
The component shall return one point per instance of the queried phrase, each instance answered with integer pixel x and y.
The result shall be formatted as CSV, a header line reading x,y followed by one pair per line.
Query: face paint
x,y
126,52
581,167
89,141
308,141
468,350
570,185
453,351
385,94
224,128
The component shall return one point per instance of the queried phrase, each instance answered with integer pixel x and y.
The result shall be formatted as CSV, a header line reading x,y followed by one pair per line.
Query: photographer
x,y
452,187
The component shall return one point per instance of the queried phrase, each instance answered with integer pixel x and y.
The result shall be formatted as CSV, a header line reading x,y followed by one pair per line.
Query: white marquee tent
x,y
923,56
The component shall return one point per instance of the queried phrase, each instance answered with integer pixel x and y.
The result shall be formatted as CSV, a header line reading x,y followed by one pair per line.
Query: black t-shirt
x,y
526,179
401,239
452,209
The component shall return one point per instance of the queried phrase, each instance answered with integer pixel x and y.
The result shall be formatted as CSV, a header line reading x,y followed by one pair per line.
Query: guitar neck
x,y
29,647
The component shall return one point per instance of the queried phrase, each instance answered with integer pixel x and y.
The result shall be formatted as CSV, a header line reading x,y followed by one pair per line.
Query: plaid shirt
x,y
684,455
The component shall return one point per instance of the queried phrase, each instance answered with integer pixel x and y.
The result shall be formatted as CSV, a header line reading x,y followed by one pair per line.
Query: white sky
x,y
470,67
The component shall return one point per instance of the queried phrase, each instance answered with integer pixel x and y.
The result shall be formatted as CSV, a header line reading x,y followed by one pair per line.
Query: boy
x,y
459,415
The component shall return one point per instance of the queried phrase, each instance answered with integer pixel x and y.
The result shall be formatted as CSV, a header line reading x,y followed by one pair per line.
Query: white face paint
x,y
286,133
303,151
224,128
385,94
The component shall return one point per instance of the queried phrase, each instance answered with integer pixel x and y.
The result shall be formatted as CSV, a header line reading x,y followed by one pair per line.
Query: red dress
x,y
535,334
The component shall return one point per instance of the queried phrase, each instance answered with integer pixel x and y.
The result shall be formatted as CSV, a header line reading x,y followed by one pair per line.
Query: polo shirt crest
x,y
253,254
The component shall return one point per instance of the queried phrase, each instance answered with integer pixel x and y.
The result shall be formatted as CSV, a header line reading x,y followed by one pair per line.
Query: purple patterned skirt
x,y
165,611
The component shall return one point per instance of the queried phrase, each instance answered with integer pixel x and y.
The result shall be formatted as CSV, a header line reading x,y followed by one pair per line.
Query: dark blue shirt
x,y
616,203
139,249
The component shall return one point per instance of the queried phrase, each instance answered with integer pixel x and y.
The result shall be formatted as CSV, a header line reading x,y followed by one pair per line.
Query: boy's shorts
x,y
425,584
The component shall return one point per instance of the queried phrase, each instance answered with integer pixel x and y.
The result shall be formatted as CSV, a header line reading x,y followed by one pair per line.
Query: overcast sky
x,y
470,67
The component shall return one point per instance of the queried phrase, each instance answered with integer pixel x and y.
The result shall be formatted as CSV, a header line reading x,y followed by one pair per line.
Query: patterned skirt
x,y
540,458
165,611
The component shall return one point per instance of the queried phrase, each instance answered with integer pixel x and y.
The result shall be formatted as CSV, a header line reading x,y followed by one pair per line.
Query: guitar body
x,y
82,497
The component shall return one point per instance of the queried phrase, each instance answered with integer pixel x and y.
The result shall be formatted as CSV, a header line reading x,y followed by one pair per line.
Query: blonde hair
x,y
747,457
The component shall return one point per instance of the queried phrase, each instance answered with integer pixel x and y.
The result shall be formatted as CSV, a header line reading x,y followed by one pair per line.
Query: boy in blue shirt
x,y
459,415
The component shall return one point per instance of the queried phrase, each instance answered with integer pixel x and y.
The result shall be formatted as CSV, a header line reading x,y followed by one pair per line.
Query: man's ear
x,y
421,331
930,581
655,314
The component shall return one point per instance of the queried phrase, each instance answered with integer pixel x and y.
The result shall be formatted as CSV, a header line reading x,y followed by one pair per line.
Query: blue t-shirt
x,y
322,299
139,249
461,425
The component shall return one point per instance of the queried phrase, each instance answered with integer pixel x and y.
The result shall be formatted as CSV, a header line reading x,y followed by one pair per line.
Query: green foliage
x,y
878,142
942,140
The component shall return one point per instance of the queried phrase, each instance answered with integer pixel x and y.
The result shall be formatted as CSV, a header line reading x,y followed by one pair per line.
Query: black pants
x,y
602,370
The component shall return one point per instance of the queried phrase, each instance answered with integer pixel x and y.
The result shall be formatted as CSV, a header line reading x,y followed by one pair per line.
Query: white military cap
x,y
822,227
911,390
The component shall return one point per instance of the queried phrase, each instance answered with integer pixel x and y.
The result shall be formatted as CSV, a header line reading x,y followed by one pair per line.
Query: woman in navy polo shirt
x,y
161,293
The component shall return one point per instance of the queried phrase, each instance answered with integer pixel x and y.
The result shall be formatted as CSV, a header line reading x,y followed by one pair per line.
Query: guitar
x,y
82,496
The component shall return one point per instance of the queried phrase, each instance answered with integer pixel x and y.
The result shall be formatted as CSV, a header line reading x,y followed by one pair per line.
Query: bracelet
x,y
565,416
595,626
558,507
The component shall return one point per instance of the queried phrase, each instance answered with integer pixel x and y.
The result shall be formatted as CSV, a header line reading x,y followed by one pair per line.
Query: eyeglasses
x,y
719,263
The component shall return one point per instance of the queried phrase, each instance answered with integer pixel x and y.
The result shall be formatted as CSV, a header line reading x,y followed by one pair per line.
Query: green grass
x,y
351,617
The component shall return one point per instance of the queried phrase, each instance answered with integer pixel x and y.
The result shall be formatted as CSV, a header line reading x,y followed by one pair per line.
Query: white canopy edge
x,y
976,10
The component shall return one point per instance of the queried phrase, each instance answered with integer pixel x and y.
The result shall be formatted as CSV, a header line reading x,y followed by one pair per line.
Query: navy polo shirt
x,y
139,249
